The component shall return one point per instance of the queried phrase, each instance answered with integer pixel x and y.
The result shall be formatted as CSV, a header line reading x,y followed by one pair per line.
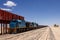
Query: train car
x,y
16,25
21,25
35,24
31,25
41,26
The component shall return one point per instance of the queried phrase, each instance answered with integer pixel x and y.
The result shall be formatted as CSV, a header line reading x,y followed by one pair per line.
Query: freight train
x,y
21,25
13,23
17,26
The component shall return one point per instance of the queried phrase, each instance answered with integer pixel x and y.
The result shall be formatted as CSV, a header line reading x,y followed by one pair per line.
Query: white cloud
x,y
9,4
6,9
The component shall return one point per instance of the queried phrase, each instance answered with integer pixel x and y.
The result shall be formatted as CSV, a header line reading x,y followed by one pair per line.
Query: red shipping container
x,y
14,16
0,15
4,15
10,16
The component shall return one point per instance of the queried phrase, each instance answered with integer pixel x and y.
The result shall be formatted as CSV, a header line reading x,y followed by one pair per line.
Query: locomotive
x,y
17,26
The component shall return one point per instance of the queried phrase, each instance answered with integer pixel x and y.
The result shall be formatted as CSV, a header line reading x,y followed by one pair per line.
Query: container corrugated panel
x,y
1,15
14,16
19,18
10,16
22,18
7,16
4,15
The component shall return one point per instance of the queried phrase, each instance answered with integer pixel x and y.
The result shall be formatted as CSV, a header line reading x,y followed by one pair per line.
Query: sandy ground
x,y
56,32
48,33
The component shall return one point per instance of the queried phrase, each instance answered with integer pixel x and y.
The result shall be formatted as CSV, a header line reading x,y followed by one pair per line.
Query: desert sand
x,y
47,33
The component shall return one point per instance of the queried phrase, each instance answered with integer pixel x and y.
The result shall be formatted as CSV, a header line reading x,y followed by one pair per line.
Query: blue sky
x,y
45,12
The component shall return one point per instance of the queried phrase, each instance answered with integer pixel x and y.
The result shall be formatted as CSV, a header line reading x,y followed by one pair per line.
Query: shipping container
x,y
4,15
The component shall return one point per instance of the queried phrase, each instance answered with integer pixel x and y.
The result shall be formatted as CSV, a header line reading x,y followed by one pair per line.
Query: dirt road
x,y
46,33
